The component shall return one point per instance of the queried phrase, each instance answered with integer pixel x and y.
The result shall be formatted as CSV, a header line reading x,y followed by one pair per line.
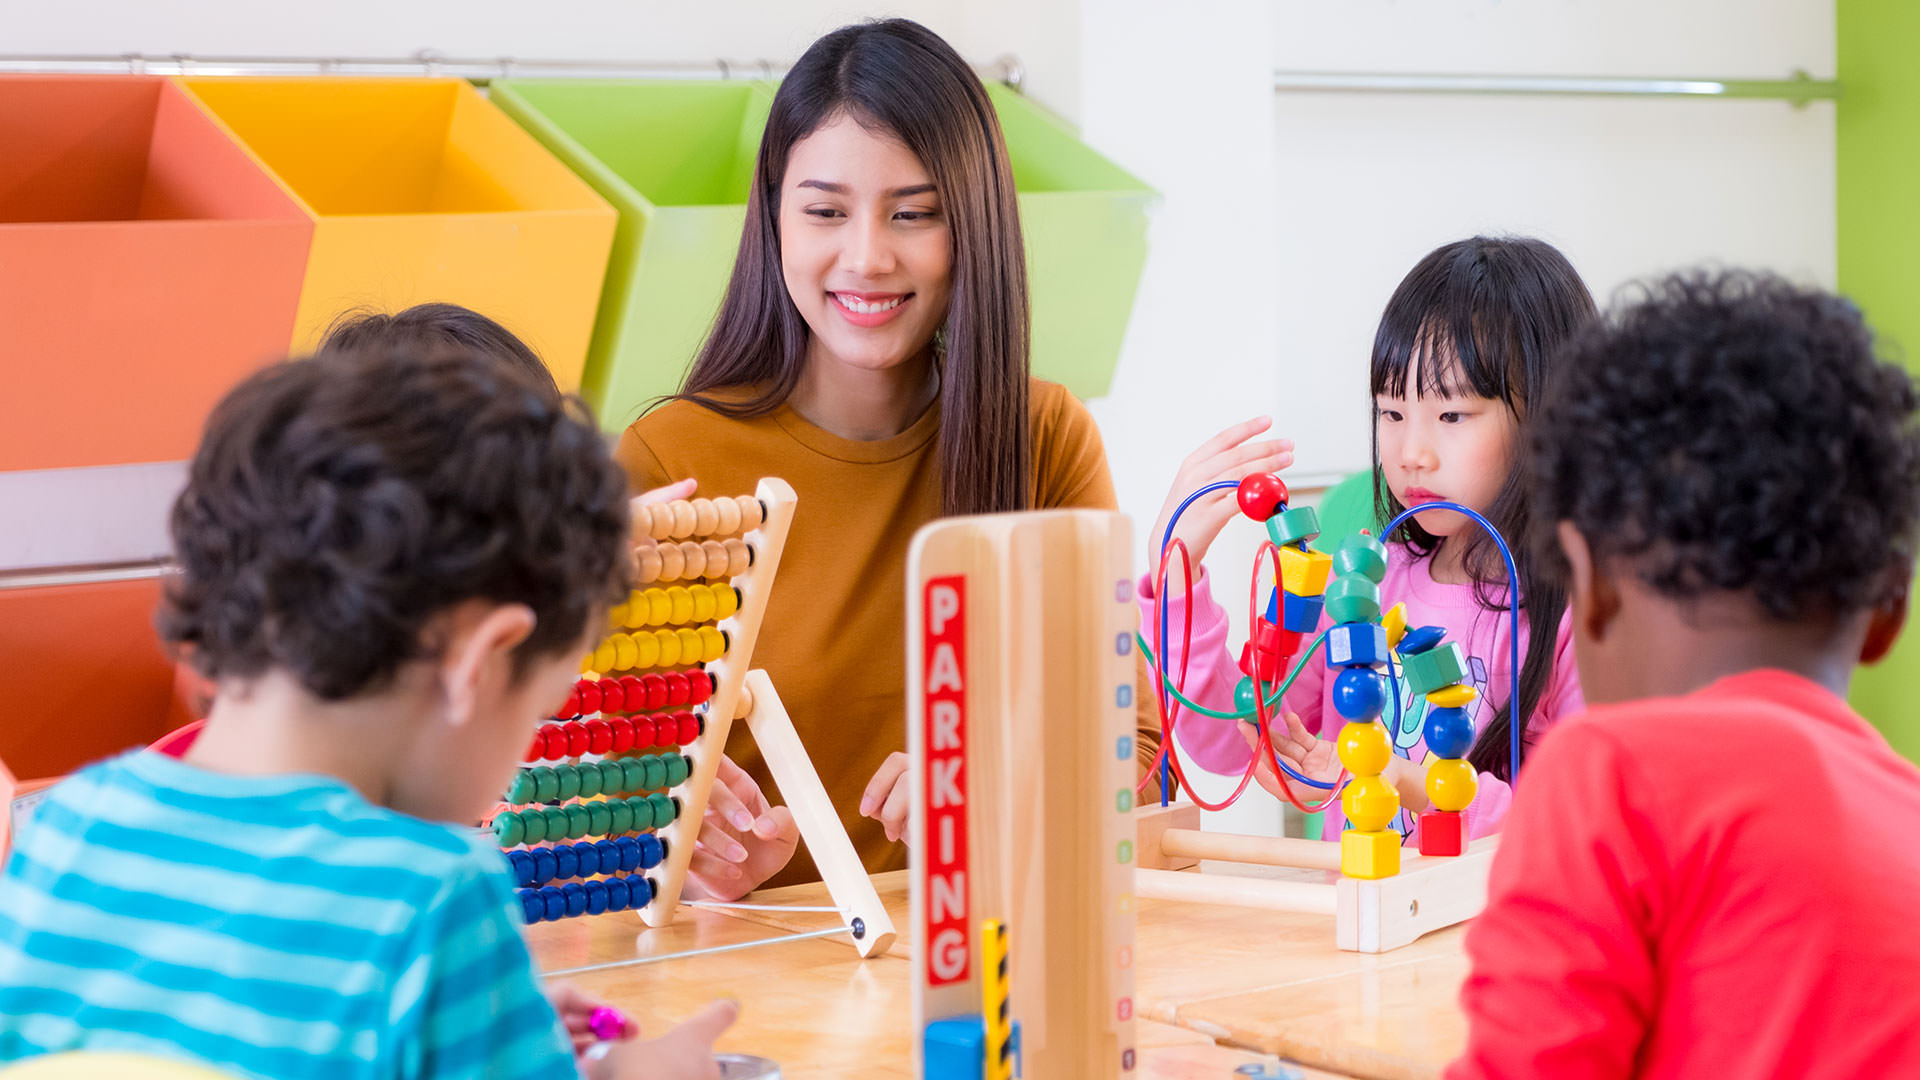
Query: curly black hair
x,y
426,326
1733,432
338,503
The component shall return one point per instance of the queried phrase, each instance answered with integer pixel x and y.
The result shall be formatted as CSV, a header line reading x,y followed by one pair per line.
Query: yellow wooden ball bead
x,y
1451,784
679,604
625,653
726,601
689,645
658,607
703,603
647,651
713,644
669,648
1370,803
1365,749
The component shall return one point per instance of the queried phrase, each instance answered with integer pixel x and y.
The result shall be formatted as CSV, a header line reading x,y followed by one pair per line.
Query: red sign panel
x,y
944,661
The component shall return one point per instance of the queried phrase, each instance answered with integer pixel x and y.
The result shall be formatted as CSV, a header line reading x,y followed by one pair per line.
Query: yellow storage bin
x,y
421,190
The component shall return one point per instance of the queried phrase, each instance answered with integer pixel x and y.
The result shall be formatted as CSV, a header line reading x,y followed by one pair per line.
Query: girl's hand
x,y
684,1053
1307,754
743,841
576,1008
887,796
1227,456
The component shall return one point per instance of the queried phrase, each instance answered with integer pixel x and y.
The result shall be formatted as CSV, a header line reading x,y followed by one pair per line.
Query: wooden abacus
x,y
1020,681
698,634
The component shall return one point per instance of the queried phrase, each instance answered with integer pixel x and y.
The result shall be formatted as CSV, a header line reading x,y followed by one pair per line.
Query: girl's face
x,y
864,247
1453,449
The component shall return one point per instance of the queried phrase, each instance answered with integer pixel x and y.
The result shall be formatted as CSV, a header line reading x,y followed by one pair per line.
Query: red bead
x,y
537,750
612,695
702,685
1260,495
622,728
554,738
1442,832
576,739
689,728
572,706
589,697
633,693
677,689
599,736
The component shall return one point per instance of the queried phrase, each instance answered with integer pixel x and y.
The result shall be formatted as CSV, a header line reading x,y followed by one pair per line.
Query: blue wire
x,y
1516,724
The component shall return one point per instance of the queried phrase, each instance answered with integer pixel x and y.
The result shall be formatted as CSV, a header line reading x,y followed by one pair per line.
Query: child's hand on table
x,y
743,841
577,1008
684,1053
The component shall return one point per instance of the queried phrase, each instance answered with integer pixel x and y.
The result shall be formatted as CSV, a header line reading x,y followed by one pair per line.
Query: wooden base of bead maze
x,y
1429,893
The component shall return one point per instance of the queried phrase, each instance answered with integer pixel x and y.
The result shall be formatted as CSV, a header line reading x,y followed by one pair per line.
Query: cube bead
x,y
1429,671
1304,573
1442,832
1370,855
1301,614
1354,643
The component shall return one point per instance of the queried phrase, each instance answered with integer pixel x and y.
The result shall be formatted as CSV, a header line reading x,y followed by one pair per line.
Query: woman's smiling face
x,y
864,245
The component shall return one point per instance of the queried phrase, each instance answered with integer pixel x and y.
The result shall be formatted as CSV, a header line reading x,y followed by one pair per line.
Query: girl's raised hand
x,y
1230,455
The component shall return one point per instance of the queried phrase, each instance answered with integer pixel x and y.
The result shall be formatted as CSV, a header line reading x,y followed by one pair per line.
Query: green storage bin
x,y
676,158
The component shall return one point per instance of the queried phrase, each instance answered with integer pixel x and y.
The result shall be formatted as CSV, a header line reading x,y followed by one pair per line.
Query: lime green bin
x,y
676,158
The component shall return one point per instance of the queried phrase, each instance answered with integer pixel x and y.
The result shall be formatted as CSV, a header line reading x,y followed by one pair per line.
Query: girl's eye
x,y
1387,414
1452,417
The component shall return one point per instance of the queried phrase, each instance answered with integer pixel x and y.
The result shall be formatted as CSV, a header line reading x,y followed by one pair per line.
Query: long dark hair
x,y
1486,316
898,77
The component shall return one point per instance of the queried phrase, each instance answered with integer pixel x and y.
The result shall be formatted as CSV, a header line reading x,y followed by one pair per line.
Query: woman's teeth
x,y
861,307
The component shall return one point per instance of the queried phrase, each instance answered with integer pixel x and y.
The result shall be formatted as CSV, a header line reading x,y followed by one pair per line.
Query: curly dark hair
x,y
1733,432
427,326
338,503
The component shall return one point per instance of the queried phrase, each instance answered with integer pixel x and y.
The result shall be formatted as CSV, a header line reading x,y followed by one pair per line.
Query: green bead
x,y
642,813
634,774
611,777
589,780
546,784
1437,667
665,810
1353,599
578,821
507,829
533,826
620,817
1243,700
678,768
569,782
1361,554
1296,525
655,769
556,822
599,819
521,791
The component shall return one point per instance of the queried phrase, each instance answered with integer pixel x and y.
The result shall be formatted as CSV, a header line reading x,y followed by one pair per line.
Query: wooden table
x,y
1218,988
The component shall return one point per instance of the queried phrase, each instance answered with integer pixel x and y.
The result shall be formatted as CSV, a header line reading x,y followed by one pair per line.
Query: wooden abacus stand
x,y
1370,916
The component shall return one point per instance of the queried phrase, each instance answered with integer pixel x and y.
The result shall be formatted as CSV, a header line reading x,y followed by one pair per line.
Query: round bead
x,y
669,688
684,518
639,892
532,908
705,517
578,741
636,610
635,770
566,863
612,697
569,778
679,604
694,560
546,784
1452,697
703,604
646,563
576,895
739,557
1370,803
1260,495
1417,641
679,766
1448,732
1353,599
604,657
620,729
645,732
617,895
667,648
727,513
611,777
554,904
726,601
508,830
751,512
1293,526
571,707
556,819
599,818
673,563
665,810
587,856
1359,693
659,521
1365,749
522,867
653,773
689,729
596,897
651,851
543,866
589,690
713,643
599,736
699,686
589,779
620,816
553,742
533,826
1361,554
521,791
536,748
1451,784
579,820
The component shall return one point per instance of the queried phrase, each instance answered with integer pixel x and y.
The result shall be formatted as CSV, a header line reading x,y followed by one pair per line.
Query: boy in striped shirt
x,y
389,563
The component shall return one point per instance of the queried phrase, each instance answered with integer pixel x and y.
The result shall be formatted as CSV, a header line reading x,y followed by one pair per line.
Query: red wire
x,y
1264,752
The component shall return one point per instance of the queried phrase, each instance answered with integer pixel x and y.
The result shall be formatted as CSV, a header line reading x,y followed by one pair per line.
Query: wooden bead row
x,y
687,559
698,517
675,605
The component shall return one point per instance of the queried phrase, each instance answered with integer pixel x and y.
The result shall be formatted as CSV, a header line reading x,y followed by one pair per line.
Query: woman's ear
x,y
1592,594
1888,619
479,648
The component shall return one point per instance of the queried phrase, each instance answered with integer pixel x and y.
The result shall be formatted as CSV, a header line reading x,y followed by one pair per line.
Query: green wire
x,y
1167,680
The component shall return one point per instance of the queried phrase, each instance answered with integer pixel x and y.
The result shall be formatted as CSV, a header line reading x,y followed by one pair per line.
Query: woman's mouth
x,y
869,309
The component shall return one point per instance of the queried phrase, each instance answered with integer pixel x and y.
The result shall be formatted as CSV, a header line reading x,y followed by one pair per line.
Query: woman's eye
x,y
822,212
916,215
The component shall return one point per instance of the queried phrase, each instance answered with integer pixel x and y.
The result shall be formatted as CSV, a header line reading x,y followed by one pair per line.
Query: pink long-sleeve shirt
x,y
1212,673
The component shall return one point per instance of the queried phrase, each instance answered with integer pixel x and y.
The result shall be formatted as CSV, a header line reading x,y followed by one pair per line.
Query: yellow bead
x,y
725,601
625,653
637,610
1365,748
617,618
603,657
1395,624
1369,854
703,603
586,664
669,648
713,644
1370,803
1451,784
1452,697
1304,573
679,604
689,645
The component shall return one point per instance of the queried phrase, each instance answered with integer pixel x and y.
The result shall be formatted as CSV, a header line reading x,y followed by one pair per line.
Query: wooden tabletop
x,y
1258,983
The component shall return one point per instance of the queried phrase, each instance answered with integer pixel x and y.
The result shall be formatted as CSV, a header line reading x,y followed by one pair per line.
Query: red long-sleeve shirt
x,y
1725,884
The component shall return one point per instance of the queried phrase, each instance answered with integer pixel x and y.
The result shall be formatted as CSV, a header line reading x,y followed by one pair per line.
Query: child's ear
x,y
1594,598
480,646
1888,619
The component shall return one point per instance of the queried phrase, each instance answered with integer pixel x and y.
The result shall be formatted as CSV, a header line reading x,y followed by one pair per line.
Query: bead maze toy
x,y
1020,681
610,799
1381,899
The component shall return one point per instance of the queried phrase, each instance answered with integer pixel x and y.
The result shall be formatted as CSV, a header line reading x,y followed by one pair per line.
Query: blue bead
x,y
1359,693
1303,613
617,896
543,868
565,863
633,851
639,891
556,905
1448,733
1273,606
1415,642
652,850
531,906
576,898
522,867
596,897
587,857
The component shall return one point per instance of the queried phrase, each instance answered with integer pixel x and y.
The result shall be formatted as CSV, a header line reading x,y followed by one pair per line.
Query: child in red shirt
x,y
1712,871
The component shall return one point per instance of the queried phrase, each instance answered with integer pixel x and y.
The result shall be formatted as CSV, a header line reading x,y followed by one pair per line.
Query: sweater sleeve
x,y
1563,982
1215,745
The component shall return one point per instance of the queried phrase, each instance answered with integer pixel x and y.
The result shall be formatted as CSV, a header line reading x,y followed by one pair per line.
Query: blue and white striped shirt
x,y
273,926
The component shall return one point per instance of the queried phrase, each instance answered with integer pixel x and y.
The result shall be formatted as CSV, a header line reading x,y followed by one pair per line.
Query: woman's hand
x,y
1227,456
887,796
743,841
